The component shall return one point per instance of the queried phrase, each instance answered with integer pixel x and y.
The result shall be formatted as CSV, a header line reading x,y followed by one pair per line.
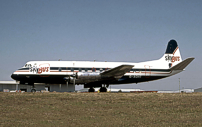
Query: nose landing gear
x,y
33,90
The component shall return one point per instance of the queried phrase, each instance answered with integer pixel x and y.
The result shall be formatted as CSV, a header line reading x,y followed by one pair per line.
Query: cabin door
x,y
147,71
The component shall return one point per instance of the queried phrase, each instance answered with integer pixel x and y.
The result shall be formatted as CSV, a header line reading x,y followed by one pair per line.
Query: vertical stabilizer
x,y
172,55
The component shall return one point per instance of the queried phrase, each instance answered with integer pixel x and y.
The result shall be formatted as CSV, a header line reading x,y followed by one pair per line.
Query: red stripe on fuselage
x,y
21,71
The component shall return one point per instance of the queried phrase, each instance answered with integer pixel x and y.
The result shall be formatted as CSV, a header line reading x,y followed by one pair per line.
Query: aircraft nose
x,y
14,76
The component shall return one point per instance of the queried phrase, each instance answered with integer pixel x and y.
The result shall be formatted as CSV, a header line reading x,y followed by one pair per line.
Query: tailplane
x,y
183,64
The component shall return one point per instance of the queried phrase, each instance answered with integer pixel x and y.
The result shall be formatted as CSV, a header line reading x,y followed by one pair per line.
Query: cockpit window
x,y
28,65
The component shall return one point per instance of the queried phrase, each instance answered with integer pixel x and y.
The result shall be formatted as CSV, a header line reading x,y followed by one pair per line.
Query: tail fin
x,y
172,55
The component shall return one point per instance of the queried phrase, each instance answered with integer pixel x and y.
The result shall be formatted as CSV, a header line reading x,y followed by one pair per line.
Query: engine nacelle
x,y
82,78
88,76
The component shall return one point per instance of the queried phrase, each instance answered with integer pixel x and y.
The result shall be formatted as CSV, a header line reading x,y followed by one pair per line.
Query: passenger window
x,y
101,69
93,69
60,69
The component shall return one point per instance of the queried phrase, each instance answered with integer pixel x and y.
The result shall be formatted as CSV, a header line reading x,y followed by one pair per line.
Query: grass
x,y
100,109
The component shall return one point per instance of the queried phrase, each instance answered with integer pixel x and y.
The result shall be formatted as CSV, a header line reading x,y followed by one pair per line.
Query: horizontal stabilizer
x,y
118,71
182,64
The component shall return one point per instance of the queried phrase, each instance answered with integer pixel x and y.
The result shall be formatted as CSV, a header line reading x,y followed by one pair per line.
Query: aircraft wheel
x,y
33,90
91,89
103,89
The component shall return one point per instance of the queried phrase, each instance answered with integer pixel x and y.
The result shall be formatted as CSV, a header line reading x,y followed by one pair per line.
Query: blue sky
x,y
112,30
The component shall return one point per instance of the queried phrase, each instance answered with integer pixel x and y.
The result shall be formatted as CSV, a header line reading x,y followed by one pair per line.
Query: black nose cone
x,y
13,76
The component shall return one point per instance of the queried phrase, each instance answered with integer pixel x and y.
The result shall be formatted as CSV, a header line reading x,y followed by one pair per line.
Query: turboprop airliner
x,y
102,74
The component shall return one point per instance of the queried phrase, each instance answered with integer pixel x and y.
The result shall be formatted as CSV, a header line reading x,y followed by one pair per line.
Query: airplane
x,y
94,74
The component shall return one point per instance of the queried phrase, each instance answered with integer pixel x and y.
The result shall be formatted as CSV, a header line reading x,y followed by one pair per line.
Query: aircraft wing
x,y
183,64
117,71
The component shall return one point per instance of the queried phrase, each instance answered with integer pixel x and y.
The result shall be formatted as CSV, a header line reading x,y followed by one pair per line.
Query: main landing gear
x,y
91,89
102,89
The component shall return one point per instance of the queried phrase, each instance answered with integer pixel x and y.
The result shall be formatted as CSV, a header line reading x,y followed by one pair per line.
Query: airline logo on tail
x,y
172,58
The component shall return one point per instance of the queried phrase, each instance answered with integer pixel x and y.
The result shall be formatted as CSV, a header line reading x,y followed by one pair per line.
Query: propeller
x,y
67,79
71,78
74,78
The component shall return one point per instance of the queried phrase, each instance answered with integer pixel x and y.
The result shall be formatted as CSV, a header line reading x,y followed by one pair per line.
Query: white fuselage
x,y
144,71
92,73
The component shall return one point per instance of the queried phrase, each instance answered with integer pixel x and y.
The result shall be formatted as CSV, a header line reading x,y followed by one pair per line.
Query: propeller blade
x,y
67,84
74,81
